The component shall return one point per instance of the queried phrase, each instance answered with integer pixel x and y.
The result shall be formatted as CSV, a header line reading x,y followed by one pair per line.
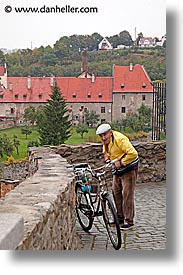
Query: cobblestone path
x,y
150,221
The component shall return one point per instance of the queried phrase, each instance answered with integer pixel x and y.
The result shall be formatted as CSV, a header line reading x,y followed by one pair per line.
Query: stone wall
x,y
6,124
152,155
46,199
47,204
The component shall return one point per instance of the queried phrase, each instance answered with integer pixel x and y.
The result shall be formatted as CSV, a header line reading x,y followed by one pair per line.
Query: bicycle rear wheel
x,y
111,222
83,208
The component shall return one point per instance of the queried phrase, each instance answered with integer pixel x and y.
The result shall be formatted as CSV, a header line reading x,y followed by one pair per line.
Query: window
x,y
123,97
103,110
143,97
12,110
123,110
89,94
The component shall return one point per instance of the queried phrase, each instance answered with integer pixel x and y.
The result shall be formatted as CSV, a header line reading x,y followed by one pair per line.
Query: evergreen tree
x,y
54,129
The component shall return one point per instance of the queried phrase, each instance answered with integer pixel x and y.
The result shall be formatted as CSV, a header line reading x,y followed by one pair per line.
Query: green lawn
x,y
22,138
74,139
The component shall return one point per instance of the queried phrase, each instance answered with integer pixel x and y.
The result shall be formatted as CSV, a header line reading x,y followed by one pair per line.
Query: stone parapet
x,y
152,155
47,204
11,230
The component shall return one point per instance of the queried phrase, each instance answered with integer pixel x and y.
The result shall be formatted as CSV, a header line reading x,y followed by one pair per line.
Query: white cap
x,y
103,128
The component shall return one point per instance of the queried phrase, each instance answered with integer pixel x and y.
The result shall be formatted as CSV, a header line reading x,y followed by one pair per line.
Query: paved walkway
x,y
150,220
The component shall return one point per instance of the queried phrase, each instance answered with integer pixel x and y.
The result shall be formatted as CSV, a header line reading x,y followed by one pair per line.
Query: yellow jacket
x,y
120,148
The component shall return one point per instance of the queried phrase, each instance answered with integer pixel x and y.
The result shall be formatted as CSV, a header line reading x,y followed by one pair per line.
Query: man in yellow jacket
x,y
117,146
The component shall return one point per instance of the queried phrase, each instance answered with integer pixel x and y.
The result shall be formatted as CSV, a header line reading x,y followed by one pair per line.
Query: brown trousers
x,y
123,191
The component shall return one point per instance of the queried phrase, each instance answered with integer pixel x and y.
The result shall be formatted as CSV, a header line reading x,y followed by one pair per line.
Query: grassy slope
x,y
74,139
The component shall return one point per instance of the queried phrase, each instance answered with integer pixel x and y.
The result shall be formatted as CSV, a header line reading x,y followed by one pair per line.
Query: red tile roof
x,y
73,89
78,89
136,80
83,90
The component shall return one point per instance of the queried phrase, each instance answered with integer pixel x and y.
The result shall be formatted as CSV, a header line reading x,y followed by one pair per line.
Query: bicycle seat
x,y
81,165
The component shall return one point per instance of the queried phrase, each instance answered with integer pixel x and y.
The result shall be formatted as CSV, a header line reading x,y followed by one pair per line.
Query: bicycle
x,y
99,203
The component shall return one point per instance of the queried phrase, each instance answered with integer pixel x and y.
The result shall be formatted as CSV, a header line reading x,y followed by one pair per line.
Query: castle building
x,y
111,97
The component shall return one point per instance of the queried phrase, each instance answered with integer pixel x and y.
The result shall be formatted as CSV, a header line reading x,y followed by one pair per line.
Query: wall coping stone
x,y
11,230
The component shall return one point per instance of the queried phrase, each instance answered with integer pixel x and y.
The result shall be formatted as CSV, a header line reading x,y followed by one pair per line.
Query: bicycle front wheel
x,y
111,222
83,208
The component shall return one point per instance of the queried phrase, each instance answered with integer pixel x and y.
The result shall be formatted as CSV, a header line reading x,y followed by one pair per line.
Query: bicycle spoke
x,y
111,222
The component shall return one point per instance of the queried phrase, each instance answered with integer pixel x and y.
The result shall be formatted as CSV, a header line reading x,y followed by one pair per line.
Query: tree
x,y
1,146
7,145
145,114
81,129
26,131
139,36
91,118
2,59
16,143
54,129
30,114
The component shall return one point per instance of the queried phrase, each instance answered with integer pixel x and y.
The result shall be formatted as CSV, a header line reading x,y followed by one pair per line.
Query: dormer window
x,y
143,85
16,95
89,94
40,95
100,95
24,96
122,85
1,96
74,95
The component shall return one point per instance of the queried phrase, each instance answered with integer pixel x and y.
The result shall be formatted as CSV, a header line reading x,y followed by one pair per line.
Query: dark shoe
x,y
127,226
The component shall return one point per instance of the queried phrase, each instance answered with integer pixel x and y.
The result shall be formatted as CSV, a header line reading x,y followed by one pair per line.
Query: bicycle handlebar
x,y
104,167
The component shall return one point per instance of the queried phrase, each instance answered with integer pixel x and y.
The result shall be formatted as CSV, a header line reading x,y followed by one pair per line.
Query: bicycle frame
x,y
87,209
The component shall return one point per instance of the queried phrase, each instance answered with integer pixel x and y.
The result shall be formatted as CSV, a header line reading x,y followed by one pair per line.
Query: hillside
x,y
65,58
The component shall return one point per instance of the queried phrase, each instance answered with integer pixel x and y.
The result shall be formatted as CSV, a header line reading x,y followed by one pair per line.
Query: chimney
x,y
93,78
11,86
131,67
52,81
84,62
29,82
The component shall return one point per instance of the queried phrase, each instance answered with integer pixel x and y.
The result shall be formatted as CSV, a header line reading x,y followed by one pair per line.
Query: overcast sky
x,y
26,30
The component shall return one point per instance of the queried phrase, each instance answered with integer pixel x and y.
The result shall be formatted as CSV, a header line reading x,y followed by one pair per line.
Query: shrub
x,y
9,160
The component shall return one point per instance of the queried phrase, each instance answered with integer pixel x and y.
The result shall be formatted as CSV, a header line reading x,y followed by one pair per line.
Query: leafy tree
x,y
26,131
145,113
2,58
30,114
7,145
1,146
81,129
139,36
54,129
16,143
91,118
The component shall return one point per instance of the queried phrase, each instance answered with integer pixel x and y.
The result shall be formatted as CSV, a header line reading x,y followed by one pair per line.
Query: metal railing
x,y
159,110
